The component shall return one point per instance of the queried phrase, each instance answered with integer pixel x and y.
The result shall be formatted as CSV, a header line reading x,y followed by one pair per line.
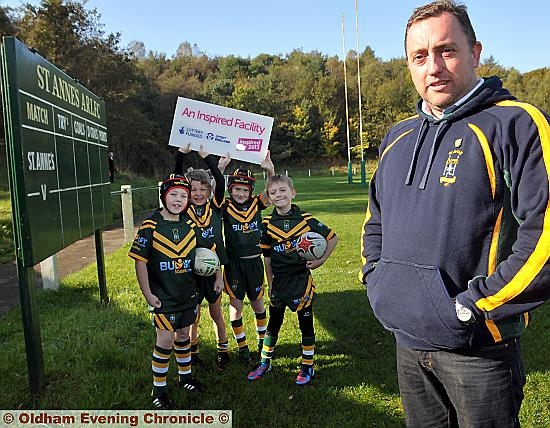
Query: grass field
x,y
6,233
98,357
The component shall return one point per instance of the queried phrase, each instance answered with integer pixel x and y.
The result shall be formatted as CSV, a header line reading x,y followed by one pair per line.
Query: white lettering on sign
x,y
90,106
37,113
92,132
40,161
62,121
102,136
65,91
43,191
79,128
43,77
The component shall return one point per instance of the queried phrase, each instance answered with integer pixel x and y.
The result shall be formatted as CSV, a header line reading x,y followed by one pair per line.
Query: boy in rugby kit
x,y
244,273
164,254
206,214
288,275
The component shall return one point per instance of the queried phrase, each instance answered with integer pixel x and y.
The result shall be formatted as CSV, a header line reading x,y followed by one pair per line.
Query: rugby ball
x,y
311,246
206,262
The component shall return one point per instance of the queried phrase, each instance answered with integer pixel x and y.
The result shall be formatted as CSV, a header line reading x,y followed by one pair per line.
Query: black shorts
x,y
244,276
172,321
205,289
295,292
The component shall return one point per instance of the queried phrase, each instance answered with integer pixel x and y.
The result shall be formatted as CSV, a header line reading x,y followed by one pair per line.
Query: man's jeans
x,y
476,388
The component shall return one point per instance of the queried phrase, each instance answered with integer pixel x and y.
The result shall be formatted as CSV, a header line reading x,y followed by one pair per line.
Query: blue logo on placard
x,y
191,132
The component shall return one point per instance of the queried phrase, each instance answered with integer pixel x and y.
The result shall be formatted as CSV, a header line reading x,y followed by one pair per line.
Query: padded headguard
x,y
242,177
173,180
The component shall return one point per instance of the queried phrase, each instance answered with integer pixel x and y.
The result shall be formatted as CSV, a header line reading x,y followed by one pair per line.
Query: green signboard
x,y
56,138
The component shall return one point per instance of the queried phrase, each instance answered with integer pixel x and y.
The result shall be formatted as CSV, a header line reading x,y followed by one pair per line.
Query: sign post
x,y
56,143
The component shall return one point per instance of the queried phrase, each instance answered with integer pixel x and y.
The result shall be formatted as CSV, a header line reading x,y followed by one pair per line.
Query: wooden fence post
x,y
127,212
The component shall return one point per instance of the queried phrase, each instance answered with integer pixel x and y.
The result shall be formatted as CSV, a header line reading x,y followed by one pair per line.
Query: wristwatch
x,y
465,315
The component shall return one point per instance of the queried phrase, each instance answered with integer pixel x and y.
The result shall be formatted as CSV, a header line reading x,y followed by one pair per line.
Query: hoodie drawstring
x,y
422,185
419,138
408,180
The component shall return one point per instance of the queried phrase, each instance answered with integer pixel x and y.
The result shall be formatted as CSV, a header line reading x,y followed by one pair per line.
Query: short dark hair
x,y
439,7
278,179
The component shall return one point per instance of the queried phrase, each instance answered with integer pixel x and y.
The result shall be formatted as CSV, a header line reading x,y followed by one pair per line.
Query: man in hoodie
x,y
457,233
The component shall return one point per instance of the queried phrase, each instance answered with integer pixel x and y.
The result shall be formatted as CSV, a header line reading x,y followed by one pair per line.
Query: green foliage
x,y
98,357
6,229
536,89
303,91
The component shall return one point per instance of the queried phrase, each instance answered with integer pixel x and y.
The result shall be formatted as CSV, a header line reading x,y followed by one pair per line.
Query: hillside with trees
x,y
303,91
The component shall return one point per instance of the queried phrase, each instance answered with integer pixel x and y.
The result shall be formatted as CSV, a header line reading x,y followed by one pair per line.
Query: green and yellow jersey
x,y
279,234
241,225
168,249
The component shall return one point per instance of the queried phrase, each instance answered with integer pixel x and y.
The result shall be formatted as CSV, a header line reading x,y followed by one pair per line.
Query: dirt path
x,y
71,259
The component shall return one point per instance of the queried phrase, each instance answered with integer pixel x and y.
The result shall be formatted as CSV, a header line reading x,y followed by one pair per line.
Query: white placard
x,y
221,130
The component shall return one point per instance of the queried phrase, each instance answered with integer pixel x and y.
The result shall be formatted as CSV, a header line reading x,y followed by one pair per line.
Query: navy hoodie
x,y
458,208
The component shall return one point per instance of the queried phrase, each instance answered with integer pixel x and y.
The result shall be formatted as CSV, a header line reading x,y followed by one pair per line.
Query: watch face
x,y
463,313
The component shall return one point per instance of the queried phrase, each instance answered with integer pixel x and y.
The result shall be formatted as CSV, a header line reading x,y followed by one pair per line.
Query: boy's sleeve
x,y
219,192
263,200
321,228
265,240
143,242
178,167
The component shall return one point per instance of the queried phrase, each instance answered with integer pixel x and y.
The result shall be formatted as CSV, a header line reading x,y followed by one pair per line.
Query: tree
x,y
7,27
136,49
303,91
72,38
491,67
537,88
184,49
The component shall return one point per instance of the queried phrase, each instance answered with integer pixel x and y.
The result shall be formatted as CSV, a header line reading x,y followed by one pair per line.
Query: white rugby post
x,y
363,170
350,177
